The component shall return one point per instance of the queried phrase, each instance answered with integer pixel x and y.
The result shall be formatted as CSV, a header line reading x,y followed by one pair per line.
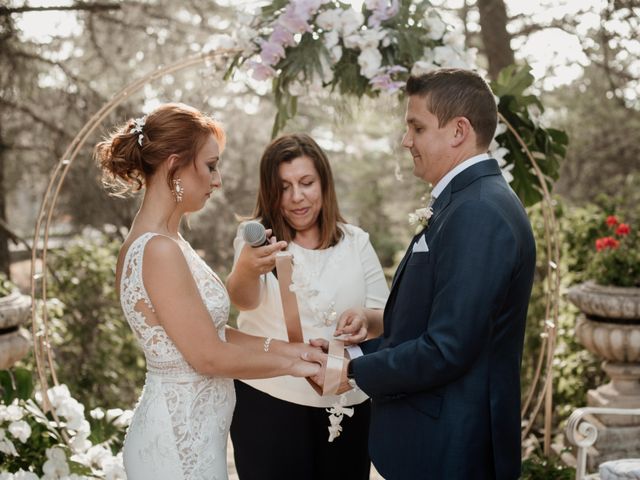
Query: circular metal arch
x,y
540,390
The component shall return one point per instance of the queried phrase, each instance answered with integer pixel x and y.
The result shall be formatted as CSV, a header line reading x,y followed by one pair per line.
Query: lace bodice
x,y
181,423
160,352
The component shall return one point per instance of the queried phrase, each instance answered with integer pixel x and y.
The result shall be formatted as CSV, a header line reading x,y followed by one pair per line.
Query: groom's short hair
x,y
454,92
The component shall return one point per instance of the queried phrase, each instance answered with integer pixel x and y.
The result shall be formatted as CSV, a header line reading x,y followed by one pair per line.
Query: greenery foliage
x,y
547,145
604,154
96,353
576,370
616,255
6,286
619,265
539,467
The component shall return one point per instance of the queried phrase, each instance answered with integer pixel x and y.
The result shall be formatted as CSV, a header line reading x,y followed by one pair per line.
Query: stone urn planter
x,y
14,340
609,327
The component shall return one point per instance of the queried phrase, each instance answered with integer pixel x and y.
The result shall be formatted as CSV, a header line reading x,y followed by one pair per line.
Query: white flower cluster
x,y
323,309
15,427
18,429
336,413
340,26
498,152
420,217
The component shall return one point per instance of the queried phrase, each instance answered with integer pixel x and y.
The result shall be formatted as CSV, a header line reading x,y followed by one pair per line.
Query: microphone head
x,y
254,233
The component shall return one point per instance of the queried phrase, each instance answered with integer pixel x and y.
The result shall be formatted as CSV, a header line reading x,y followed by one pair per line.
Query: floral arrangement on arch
x,y
313,44
303,46
616,255
35,445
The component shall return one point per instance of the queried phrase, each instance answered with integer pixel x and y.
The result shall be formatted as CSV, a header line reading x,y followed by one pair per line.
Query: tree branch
x,y
91,7
560,23
25,109
65,70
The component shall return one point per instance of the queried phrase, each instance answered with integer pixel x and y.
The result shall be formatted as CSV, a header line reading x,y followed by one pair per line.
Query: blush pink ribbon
x,y
335,359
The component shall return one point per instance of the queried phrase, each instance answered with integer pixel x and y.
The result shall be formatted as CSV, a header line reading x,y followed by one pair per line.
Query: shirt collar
x,y
444,181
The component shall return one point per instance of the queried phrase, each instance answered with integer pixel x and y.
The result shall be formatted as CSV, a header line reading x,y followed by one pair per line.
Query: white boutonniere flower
x,y
420,217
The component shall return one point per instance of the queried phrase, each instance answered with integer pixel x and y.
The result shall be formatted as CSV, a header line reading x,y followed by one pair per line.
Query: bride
x,y
176,305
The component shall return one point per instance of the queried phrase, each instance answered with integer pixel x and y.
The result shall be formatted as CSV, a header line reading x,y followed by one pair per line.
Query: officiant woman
x,y
280,426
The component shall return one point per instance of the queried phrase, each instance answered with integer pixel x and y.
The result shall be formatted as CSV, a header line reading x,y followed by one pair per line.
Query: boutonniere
x,y
420,218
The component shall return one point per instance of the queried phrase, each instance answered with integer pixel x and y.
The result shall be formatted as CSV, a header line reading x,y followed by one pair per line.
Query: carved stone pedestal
x,y
14,340
610,329
622,392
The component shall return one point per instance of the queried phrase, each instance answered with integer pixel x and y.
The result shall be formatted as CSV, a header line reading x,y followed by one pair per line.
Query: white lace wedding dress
x,y
180,426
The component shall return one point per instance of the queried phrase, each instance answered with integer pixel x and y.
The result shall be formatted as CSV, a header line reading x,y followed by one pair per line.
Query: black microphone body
x,y
255,235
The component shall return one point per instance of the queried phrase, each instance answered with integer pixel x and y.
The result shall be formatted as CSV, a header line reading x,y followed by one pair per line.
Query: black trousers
x,y
278,440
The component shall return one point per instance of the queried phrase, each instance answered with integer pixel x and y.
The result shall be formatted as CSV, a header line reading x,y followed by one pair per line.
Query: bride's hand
x,y
320,359
296,349
320,343
304,368
352,324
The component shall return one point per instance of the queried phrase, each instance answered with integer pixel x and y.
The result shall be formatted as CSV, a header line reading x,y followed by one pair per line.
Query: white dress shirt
x,y
444,181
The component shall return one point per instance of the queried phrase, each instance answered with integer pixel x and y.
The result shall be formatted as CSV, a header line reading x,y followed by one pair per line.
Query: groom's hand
x,y
352,326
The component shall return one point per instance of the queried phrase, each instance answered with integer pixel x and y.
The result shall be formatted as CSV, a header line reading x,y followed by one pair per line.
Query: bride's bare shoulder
x,y
158,247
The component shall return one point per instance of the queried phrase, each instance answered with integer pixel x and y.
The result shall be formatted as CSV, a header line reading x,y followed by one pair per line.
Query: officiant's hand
x,y
259,260
352,325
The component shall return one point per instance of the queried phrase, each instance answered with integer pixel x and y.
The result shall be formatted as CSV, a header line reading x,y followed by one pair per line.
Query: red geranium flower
x,y
611,242
612,220
606,242
623,229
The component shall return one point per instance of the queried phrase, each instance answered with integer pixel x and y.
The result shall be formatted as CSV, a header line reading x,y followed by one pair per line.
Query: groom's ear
x,y
461,130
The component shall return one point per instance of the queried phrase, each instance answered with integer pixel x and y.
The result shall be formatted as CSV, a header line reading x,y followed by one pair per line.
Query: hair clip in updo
x,y
138,124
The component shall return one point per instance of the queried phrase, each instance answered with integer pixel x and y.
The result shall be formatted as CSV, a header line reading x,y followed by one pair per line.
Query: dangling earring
x,y
178,190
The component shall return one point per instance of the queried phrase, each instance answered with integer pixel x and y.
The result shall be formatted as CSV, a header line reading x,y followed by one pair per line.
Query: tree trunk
x,y
5,261
496,38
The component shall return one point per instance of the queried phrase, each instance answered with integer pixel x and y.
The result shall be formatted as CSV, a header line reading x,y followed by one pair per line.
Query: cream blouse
x,y
327,282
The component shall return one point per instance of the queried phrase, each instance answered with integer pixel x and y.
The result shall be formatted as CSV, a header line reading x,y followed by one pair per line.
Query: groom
x,y
444,378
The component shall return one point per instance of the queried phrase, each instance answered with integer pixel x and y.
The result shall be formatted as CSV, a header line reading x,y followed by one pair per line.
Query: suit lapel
x,y
459,182
403,262
438,207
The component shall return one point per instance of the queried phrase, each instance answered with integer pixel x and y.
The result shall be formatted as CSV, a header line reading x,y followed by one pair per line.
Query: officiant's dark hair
x,y
268,205
454,92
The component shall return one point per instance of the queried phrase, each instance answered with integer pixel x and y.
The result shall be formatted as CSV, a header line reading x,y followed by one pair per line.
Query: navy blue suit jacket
x,y
444,378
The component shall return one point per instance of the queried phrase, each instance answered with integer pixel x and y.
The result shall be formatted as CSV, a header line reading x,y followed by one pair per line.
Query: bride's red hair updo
x,y
129,158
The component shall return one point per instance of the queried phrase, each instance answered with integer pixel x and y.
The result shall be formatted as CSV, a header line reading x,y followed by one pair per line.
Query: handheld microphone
x,y
255,235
